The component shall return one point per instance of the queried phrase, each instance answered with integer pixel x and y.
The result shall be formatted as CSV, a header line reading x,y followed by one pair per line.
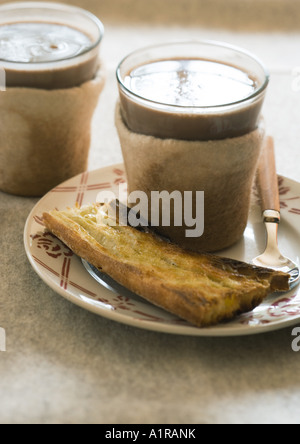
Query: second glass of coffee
x,y
49,54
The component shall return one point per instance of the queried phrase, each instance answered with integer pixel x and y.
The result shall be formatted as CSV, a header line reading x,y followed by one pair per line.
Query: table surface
x,y
66,365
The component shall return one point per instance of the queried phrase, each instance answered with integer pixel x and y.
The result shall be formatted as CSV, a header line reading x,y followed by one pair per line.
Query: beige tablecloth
x,y
65,365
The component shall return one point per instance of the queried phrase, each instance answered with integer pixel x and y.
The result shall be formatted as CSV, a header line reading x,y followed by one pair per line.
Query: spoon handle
x,y
267,180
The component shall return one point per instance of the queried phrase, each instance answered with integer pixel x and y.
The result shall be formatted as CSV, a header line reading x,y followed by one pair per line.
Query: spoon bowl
x,y
267,183
272,257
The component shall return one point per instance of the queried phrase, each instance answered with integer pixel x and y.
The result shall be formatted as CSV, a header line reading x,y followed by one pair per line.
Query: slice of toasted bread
x,y
202,289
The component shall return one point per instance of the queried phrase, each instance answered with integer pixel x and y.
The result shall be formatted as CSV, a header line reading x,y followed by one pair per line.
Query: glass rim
x,y
234,48
54,7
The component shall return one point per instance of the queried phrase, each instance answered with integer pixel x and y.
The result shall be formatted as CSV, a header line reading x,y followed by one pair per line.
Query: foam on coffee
x,y
40,42
190,97
31,53
190,83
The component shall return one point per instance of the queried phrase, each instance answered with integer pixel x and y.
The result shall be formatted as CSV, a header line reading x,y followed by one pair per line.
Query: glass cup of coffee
x,y
189,120
49,57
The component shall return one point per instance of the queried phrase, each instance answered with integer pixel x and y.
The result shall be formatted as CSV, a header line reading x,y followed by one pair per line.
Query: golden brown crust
x,y
202,289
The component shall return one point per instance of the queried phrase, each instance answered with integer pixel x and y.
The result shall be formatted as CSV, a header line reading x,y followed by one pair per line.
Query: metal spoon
x,y
267,182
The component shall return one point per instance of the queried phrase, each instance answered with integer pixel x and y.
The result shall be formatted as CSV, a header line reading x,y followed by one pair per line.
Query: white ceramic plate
x,y
65,274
